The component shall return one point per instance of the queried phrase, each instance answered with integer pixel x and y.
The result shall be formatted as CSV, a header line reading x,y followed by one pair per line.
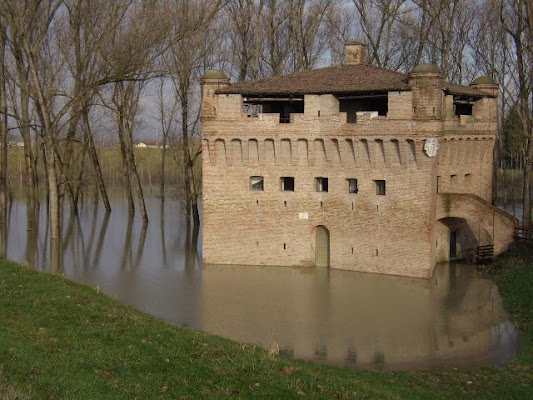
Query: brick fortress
x,y
351,167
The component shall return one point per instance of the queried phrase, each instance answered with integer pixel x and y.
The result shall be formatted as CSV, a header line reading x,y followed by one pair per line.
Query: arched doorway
x,y
457,238
321,246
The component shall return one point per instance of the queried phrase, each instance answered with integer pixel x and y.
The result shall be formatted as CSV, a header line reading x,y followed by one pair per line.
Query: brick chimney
x,y
355,53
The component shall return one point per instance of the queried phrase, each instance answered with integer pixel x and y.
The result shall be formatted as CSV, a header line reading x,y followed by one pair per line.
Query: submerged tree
x,y
185,63
3,144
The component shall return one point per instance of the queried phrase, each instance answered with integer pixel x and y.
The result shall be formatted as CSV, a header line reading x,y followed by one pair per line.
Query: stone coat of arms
x,y
431,147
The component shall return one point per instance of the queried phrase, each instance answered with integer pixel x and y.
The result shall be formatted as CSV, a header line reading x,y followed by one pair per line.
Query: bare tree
x,y
276,44
307,26
378,23
340,30
29,25
21,110
243,17
516,21
3,144
83,28
186,61
167,111
125,99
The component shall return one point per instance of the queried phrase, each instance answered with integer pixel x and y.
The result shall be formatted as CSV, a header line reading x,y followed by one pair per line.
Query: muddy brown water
x,y
325,315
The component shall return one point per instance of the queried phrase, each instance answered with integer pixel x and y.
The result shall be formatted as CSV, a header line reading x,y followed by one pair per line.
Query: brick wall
x,y
367,230
465,165
392,234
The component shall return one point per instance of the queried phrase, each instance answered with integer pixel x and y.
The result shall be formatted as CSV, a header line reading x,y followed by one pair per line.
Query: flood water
x,y
336,317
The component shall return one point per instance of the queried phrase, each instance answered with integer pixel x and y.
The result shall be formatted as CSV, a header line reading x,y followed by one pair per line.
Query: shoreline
x,y
66,340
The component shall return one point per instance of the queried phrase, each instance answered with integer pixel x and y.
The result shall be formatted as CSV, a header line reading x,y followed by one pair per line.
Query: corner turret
x,y
486,84
210,83
426,83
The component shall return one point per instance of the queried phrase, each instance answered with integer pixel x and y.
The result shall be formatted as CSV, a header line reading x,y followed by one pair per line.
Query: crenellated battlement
x,y
365,152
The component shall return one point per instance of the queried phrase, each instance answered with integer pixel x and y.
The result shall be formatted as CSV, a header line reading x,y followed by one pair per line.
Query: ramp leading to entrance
x,y
471,222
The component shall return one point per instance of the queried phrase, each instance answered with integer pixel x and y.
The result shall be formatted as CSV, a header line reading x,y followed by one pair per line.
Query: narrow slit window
x,y
257,183
468,180
352,185
287,183
322,184
380,187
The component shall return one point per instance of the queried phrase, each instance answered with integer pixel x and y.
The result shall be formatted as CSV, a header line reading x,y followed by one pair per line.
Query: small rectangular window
x,y
453,180
287,183
352,185
321,184
257,183
380,187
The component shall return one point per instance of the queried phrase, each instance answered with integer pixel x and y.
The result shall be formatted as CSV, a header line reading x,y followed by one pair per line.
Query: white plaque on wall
x,y
303,215
431,147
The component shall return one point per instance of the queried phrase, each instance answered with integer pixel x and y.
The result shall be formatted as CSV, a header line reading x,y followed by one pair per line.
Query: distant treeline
x,y
148,162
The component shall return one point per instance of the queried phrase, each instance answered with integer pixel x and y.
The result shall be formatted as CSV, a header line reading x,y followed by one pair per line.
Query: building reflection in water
x,y
363,320
337,317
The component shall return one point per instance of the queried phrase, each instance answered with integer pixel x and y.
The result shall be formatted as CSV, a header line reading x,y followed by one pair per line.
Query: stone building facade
x,y
352,167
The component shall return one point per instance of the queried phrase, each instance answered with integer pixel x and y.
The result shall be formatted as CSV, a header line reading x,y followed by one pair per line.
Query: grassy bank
x,y
63,340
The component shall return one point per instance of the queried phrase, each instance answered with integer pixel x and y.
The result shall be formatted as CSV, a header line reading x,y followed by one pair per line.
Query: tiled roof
x,y
453,88
344,79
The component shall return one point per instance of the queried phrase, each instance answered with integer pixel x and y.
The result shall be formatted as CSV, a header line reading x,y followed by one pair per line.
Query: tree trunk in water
x,y
3,152
190,189
53,194
125,161
31,195
134,173
77,186
495,165
50,156
526,219
162,167
122,97
96,163
67,170
139,189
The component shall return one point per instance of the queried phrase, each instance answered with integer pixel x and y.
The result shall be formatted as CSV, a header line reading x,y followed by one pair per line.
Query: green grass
x,y
63,340
513,274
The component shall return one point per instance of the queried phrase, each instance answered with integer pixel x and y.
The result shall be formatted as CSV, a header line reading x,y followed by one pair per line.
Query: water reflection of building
x,y
360,319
